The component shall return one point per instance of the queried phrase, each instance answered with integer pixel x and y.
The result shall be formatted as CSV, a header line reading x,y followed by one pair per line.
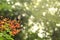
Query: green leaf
x,y
1,38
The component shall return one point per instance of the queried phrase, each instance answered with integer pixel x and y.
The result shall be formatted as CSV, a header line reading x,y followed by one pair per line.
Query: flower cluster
x,y
11,27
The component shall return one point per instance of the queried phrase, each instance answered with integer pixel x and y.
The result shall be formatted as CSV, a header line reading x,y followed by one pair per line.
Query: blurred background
x,y
39,19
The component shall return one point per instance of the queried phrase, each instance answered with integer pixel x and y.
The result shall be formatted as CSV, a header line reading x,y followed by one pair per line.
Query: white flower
x,y
52,10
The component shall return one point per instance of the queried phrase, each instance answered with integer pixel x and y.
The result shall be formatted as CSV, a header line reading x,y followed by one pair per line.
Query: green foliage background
x,y
44,11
